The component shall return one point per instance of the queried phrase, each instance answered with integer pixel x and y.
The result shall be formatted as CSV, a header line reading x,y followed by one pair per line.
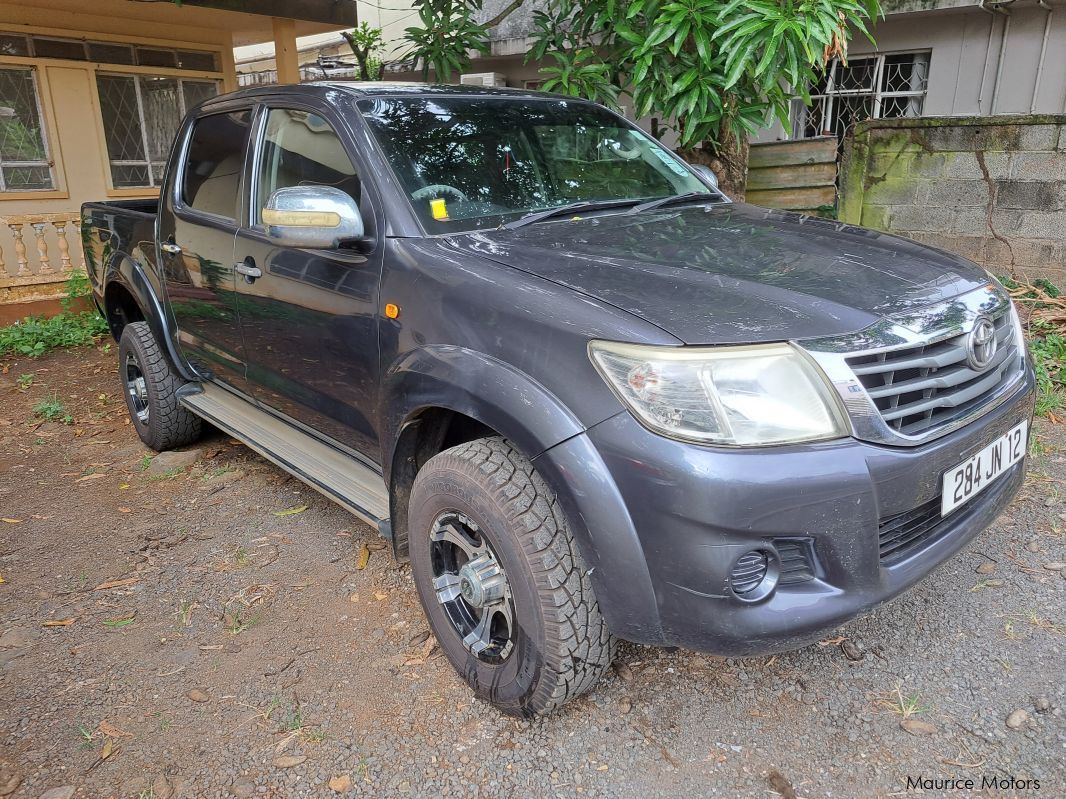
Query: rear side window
x,y
213,166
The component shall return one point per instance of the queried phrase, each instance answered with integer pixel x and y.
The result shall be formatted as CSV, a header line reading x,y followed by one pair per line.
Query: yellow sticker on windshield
x,y
439,208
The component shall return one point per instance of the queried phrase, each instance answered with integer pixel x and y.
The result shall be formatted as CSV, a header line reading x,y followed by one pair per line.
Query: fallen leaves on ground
x,y
364,557
290,511
58,623
289,761
112,731
120,621
109,584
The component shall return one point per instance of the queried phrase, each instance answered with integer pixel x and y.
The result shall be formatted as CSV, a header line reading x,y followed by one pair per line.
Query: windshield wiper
x,y
651,205
563,210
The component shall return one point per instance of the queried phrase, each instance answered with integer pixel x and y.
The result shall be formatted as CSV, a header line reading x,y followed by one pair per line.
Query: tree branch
x,y
496,20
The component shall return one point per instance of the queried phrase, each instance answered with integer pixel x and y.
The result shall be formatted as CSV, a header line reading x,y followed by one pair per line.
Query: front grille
x,y
797,563
919,387
903,532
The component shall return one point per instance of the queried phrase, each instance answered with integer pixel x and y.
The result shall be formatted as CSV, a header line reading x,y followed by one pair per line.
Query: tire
x,y
546,641
160,420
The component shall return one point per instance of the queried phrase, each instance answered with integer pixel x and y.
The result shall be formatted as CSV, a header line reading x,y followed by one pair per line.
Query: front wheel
x,y
501,581
151,386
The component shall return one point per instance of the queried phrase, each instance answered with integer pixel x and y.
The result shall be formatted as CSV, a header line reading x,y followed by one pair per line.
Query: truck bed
x,y
113,228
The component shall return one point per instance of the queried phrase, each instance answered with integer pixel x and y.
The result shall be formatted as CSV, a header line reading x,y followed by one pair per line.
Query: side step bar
x,y
348,482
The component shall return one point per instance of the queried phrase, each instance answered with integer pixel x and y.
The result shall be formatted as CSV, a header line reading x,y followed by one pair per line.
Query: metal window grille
x,y
141,113
31,45
25,163
887,85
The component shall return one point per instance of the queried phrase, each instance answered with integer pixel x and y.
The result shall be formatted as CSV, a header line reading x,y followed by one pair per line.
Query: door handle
x,y
170,248
249,270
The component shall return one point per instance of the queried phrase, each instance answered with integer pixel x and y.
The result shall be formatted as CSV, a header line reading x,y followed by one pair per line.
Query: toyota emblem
x,y
981,345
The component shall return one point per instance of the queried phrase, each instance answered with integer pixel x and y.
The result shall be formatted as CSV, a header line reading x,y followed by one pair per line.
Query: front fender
x,y
476,385
552,437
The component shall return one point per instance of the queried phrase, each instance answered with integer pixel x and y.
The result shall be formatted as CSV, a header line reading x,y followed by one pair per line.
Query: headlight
x,y
744,395
1019,334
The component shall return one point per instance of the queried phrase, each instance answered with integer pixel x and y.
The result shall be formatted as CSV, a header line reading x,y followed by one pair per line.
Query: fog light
x,y
754,575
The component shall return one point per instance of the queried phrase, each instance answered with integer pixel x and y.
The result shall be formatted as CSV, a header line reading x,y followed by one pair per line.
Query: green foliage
x,y
448,33
34,336
50,409
707,69
20,142
1047,345
366,43
76,287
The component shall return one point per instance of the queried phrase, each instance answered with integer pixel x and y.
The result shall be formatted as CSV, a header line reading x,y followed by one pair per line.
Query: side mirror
x,y
317,217
706,173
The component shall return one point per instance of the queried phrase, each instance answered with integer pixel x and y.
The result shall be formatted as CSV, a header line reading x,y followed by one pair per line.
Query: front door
x,y
197,226
309,320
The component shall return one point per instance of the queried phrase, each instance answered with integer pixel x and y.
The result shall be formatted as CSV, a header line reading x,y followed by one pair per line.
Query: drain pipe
x,y
1043,51
1002,9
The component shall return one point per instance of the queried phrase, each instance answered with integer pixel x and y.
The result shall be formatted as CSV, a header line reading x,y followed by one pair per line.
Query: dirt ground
x,y
203,625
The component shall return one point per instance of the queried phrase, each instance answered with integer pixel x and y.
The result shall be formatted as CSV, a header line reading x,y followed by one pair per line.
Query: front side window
x,y
24,161
141,114
866,87
213,164
302,149
468,163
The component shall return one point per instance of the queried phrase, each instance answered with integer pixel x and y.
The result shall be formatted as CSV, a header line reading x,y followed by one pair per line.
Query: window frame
x,y
43,97
876,93
253,165
137,74
177,176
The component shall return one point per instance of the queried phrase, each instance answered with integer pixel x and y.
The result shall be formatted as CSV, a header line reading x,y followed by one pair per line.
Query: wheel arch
x,y
442,399
130,296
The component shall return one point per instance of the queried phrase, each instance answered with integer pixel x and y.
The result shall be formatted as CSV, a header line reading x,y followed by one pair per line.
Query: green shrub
x,y
34,336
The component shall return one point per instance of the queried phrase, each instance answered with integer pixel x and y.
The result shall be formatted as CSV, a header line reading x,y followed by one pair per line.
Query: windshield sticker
x,y
439,208
670,163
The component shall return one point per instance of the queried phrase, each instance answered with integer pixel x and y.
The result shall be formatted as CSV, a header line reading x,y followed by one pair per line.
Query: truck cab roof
x,y
385,89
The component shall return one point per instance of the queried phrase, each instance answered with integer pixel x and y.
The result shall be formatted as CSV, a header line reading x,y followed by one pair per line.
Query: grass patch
x,y
51,410
1043,308
901,705
34,336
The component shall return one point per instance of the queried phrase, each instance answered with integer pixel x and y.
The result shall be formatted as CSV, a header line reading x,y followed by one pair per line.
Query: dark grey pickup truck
x,y
584,393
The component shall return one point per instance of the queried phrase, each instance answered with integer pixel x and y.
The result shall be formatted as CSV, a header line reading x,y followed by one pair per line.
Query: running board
x,y
348,482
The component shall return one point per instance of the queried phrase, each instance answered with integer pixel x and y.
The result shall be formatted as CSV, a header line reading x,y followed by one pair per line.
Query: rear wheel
x,y
151,386
502,584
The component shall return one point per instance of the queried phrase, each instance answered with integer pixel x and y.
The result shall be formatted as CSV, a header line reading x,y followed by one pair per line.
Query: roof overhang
x,y
335,13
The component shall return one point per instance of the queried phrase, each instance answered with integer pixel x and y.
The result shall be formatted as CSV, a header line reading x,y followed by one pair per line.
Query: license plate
x,y
969,478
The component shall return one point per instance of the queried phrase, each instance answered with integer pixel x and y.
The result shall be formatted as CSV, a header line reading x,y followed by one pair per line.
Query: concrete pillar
x,y
285,54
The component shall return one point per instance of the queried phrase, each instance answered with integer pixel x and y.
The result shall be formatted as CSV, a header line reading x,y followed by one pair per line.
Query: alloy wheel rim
x,y
471,586
136,388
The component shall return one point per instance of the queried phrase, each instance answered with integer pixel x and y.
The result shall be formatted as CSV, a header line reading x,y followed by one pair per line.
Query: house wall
x,y
992,189
981,62
73,128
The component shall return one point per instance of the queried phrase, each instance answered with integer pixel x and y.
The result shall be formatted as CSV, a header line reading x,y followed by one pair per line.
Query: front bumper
x,y
682,514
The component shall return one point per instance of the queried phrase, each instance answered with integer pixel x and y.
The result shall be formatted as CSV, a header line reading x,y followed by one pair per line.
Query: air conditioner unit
x,y
483,79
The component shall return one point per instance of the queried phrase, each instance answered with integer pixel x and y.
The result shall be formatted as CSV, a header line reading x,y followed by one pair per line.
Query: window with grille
x,y
141,114
866,87
37,46
24,161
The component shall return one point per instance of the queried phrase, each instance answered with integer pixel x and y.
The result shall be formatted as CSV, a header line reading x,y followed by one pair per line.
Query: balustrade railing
x,y
39,249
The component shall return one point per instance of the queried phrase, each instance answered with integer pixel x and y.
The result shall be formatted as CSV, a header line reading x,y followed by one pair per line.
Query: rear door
x,y
197,225
310,320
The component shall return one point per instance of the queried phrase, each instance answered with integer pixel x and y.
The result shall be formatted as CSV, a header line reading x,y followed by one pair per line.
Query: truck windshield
x,y
468,163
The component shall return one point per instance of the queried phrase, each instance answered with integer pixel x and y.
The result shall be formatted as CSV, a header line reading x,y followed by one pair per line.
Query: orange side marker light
x,y
392,310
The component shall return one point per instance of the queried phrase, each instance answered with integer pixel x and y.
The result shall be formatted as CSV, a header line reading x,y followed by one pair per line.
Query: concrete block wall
x,y
992,189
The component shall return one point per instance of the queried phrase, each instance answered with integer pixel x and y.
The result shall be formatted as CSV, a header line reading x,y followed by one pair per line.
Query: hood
x,y
733,273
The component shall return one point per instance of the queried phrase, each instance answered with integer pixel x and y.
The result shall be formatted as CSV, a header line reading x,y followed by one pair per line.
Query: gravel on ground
x,y
202,625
